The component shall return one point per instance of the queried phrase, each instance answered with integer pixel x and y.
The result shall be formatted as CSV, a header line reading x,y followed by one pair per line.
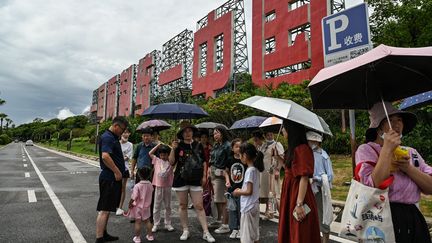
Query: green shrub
x,y
5,139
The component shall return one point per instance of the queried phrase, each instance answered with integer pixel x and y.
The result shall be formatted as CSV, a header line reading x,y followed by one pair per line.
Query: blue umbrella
x,y
175,111
416,100
252,122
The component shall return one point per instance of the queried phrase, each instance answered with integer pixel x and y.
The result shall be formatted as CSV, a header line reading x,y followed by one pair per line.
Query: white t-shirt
x,y
127,149
248,202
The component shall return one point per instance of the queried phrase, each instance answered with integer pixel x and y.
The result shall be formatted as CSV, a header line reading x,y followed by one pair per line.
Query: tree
x,y
8,122
403,23
2,117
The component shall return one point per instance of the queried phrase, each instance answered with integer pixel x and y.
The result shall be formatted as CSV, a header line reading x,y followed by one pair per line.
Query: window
x,y
270,45
203,60
297,3
270,16
295,32
148,70
219,53
287,70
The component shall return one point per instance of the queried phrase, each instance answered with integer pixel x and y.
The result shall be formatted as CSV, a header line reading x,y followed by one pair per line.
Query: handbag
x,y
367,215
193,166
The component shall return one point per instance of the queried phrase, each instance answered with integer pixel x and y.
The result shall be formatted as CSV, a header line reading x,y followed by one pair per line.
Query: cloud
x,y
65,113
55,53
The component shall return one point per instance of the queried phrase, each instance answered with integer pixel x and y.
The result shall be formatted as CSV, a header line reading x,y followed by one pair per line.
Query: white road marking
x,y
31,196
73,230
26,175
24,160
25,165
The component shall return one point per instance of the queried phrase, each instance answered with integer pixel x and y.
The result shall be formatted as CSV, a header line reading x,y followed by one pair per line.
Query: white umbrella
x,y
209,125
288,109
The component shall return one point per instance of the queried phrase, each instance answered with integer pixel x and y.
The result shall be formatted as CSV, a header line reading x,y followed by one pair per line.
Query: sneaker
x,y
190,206
234,234
239,235
155,228
223,229
136,239
150,237
215,224
119,212
185,235
208,237
169,228
108,237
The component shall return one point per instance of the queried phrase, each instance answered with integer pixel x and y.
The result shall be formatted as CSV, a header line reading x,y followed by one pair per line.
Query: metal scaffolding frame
x,y
133,90
154,87
337,6
178,50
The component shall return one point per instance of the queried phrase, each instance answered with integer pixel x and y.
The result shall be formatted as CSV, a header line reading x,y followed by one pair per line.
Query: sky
x,y
54,53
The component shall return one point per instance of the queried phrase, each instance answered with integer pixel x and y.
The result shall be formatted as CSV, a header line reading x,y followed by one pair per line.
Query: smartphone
x,y
307,211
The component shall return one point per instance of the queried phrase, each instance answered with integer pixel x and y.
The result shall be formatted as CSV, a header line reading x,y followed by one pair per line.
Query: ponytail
x,y
259,161
253,154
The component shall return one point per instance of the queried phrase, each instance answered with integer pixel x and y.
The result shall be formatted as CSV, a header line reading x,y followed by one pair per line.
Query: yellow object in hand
x,y
399,154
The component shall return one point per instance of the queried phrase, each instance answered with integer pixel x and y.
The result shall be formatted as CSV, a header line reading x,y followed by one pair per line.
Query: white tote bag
x,y
367,215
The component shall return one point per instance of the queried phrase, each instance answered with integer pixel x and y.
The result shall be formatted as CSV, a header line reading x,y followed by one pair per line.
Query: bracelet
x,y
299,204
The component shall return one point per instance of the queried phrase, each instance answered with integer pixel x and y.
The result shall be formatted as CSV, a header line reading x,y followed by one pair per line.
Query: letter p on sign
x,y
342,21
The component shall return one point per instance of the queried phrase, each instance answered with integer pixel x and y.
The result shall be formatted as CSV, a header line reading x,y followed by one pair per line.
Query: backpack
x,y
192,169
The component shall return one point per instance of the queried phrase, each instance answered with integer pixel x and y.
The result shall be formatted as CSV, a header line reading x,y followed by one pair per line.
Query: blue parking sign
x,y
346,34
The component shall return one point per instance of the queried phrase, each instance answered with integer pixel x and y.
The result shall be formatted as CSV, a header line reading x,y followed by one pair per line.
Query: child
x,y
249,200
162,179
234,175
139,205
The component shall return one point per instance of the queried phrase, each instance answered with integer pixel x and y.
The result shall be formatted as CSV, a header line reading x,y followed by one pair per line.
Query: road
x,y
47,197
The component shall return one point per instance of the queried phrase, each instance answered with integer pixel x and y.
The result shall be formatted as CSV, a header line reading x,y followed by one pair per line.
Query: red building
x,y
101,102
112,97
220,48
146,86
287,40
126,91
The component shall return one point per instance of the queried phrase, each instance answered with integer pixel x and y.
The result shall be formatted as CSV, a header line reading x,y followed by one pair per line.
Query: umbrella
x,y
209,125
384,73
156,125
175,111
287,109
249,123
417,100
272,124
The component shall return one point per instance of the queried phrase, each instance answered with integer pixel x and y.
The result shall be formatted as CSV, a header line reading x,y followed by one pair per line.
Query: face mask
x,y
313,146
383,135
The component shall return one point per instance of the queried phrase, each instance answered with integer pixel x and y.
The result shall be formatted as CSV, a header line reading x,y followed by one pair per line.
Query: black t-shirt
x,y
109,143
181,152
236,172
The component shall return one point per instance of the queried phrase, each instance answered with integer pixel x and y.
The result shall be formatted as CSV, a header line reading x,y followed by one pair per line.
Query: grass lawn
x,y
343,173
79,145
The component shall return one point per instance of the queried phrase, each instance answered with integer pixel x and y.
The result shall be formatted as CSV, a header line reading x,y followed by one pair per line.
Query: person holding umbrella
x,y
188,157
406,175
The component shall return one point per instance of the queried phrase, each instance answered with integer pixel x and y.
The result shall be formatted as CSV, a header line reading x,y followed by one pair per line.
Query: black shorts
x,y
126,174
110,193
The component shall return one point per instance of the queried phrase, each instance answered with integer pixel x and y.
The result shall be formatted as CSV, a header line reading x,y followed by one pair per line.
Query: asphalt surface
x,y
25,218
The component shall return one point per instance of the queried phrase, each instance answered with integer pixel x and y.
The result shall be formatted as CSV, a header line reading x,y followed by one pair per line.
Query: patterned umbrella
x,y
156,125
249,123
417,100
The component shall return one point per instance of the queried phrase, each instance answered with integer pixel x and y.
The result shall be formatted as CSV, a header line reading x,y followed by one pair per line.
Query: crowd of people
x,y
240,175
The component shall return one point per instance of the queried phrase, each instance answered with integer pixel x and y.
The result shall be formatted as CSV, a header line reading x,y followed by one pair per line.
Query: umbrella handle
x,y
280,130
386,113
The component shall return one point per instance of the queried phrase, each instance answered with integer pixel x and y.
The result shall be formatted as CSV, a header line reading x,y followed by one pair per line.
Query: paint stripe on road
x,y
27,175
31,196
25,165
24,160
71,227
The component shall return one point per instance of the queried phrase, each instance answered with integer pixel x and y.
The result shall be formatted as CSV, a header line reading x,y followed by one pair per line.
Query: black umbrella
x,y
175,111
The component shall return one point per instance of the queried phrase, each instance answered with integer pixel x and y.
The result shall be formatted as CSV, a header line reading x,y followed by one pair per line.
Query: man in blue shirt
x,y
112,168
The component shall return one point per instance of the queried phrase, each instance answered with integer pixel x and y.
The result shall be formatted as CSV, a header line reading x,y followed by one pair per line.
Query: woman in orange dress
x,y
296,190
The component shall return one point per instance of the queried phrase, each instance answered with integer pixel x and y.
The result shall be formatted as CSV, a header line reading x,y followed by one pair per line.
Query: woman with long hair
x,y
298,221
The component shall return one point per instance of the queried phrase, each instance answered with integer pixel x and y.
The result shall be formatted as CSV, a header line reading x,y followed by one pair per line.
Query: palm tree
x,y
8,122
2,117
2,101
